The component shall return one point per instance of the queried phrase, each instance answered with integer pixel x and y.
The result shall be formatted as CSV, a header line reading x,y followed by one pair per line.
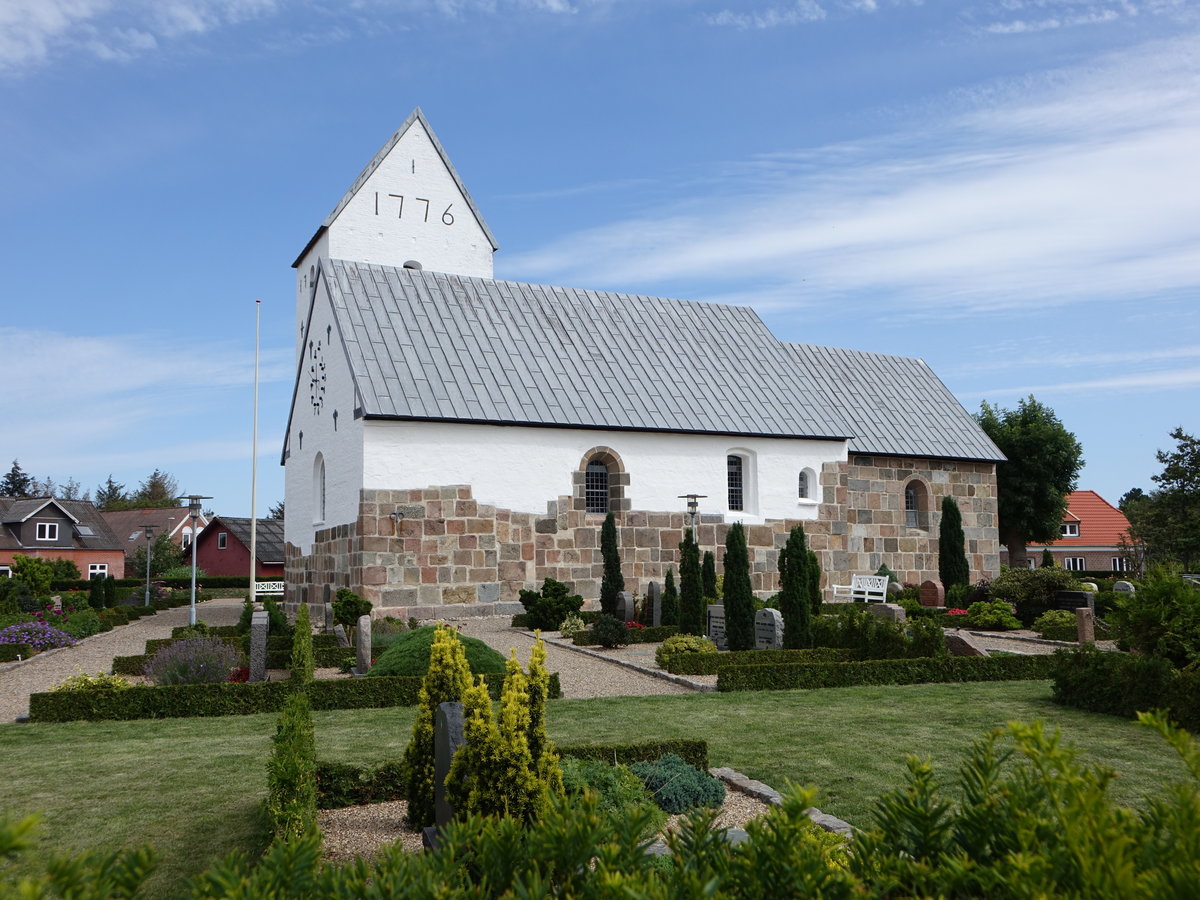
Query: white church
x,y
453,439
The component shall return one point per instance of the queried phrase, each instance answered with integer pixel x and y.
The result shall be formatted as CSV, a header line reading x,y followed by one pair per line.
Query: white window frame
x,y
95,569
1120,564
1075,564
47,531
1070,529
222,540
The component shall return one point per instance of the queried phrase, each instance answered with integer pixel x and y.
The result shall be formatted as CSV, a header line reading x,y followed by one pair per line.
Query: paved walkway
x,y
95,654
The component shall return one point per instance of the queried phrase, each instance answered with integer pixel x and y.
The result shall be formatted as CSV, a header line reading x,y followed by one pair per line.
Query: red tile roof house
x,y
128,525
59,529
1092,531
223,548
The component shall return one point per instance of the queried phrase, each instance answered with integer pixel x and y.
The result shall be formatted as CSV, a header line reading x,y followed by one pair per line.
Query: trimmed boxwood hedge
x,y
345,784
1124,684
589,616
655,634
712,663
884,671
10,652
323,658
232,699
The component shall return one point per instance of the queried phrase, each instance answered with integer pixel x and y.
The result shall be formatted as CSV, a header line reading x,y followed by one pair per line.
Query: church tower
x,y
408,208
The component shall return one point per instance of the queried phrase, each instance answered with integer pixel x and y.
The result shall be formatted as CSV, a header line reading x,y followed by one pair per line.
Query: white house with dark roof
x,y
454,438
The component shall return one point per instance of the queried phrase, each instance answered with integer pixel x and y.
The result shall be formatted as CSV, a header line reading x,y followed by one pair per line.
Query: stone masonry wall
x,y
436,551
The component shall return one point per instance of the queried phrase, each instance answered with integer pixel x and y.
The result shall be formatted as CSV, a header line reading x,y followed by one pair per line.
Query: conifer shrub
x,y
953,568
682,643
994,616
110,592
612,581
708,576
620,792
96,592
302,649
247,616
670,600
447,680
891,576
691,603
411,654
677,787
546,609
795,602
814,580
277,623
348,607
739,595
291,802
610,632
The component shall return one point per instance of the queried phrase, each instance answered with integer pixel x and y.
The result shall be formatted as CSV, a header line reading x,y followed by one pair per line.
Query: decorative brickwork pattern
x,y
437,551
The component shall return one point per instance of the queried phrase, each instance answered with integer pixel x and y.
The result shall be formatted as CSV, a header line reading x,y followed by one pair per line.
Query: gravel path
x,y
95,654
1025,642
581,675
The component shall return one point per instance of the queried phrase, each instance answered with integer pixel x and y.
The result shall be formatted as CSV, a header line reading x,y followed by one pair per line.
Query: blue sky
x,y
1006,189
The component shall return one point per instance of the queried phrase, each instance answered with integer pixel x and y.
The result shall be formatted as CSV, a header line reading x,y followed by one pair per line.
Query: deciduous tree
x,y
1042,461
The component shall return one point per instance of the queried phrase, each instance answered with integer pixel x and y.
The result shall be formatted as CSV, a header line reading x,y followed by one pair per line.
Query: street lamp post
x,y
194,506
149,529
693,505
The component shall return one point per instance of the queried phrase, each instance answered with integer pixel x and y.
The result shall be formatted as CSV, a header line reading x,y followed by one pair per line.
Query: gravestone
x,y
932,594
716,625
362,641
768,629
654,601
959,643
447,738
894,587
259,624
625,606
1090,586
343,639
1072,600
328,610
1085,625
892,612
1124,587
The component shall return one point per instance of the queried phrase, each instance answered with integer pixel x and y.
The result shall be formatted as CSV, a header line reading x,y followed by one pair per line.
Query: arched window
x,y
319,490
916,505
735,467
595,487
803,488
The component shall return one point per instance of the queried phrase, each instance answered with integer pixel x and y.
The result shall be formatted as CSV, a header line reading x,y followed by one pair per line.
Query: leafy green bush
x,y
992,616
1060,625
409,655
621,792
344,784
682,643
1031,591
956,596
99,682
1161,619
677,787
572,625
348,607
202,660
82,623
926,638
807,676
546,609
854,627
609,632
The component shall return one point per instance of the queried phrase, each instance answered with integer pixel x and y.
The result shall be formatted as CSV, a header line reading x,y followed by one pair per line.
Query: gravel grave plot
x,y
355,831
95,654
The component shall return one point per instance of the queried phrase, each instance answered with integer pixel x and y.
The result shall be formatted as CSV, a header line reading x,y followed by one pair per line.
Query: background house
x,y
60,529
1092,531
129,525
223,547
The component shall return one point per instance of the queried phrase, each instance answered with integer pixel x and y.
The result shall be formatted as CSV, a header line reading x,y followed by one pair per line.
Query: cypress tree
x,y
691,604
795,604
110,591
814,581
739,596
302,663
613,581
708,575
670,600
953,568
1047,559
96,592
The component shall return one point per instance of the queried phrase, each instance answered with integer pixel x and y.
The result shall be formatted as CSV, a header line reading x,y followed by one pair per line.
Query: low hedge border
x,y
1124,684
323,658
655,634
521,620
345,784
807,676
13,652
712,663
234,699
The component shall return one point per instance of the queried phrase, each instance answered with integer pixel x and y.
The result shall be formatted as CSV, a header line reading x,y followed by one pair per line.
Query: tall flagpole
x,y
254,463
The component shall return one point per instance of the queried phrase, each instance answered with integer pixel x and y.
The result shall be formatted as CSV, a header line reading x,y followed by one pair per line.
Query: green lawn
x,y
190,787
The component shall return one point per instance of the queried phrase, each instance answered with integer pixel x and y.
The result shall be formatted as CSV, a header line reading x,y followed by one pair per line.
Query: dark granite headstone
x,y
768,629
447,738
343,639
716,625
654,601
1072,600
625,606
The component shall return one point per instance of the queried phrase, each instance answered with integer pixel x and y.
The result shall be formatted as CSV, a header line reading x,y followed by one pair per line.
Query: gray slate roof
x,y
13,511
432,346
268,544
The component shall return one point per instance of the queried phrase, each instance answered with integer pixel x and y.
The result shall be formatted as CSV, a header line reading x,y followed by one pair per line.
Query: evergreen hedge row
x,y
589,616
653,635
1124,684
712,663
884,671
346,784
233,699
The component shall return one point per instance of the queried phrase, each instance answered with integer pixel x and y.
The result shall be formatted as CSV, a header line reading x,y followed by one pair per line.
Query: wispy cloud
x,y
1074,187
1167,379
798,12
1017,17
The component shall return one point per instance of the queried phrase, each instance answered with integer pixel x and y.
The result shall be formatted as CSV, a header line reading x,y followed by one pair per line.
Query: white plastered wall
x,y
521,468
341,446
410,208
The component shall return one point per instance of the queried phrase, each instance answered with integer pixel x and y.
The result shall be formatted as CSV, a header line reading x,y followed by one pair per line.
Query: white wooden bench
x,y
862,589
